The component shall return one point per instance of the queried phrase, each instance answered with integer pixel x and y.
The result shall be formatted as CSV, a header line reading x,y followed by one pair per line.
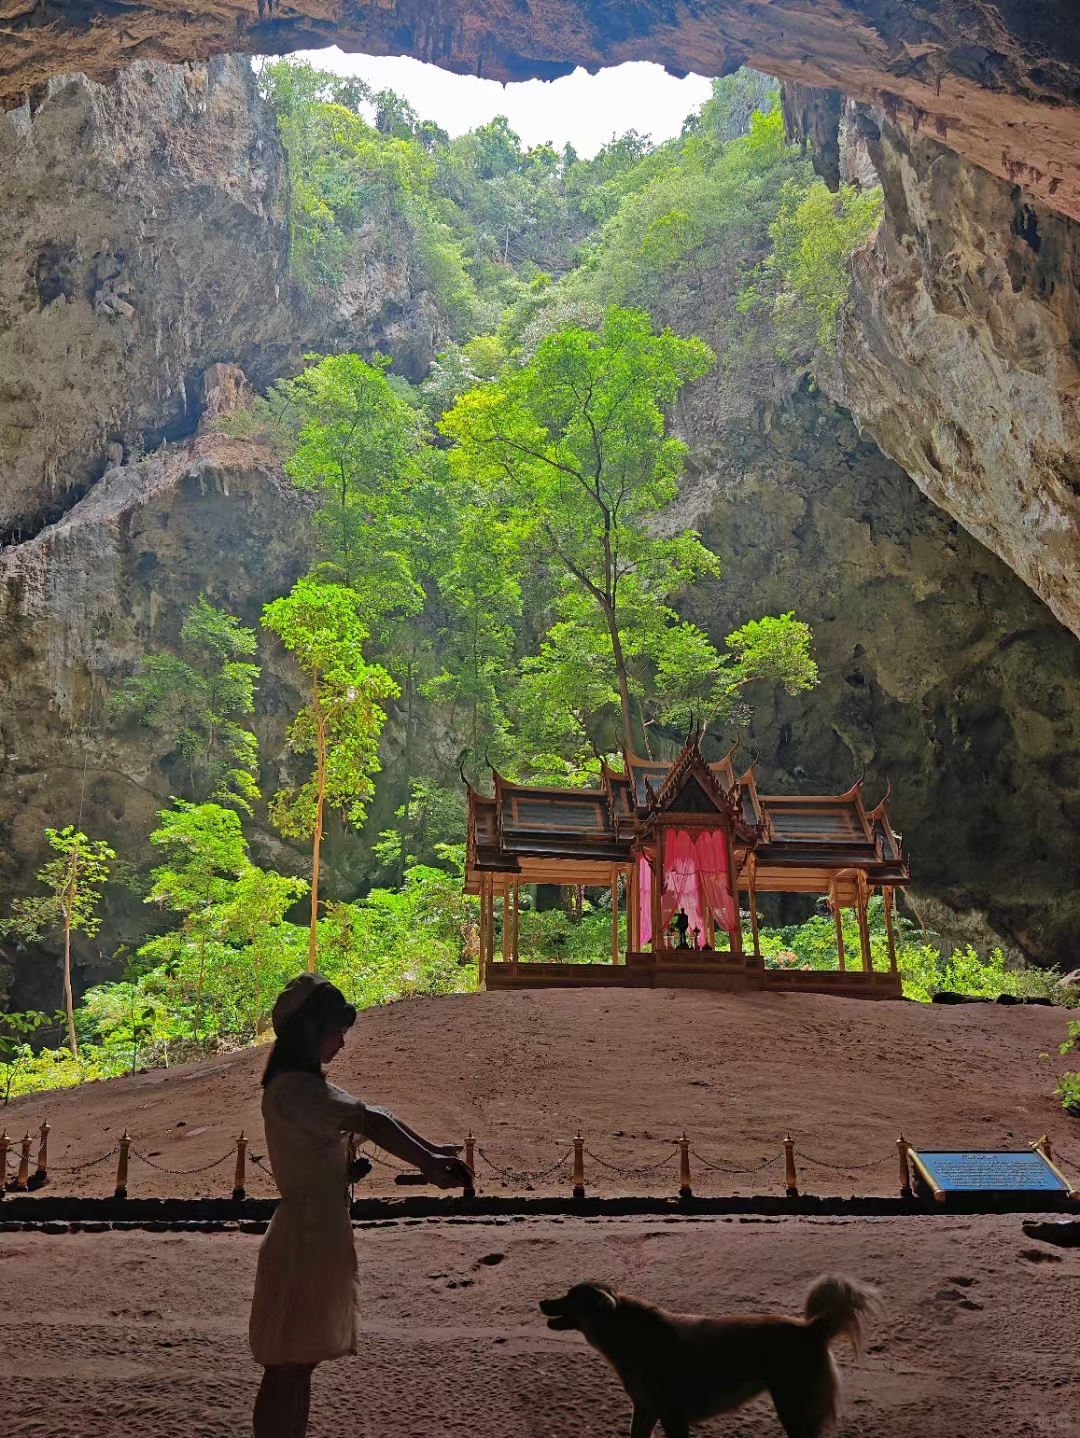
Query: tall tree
x,y
341,722
200,697
577,437
74,879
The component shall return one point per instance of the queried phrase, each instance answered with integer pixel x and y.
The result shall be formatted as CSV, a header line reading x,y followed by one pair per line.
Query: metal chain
x,y
525,1177
77,1167
845,1167
723,1168
1068,1162
257,1161
633,1172
382,1162
183,1172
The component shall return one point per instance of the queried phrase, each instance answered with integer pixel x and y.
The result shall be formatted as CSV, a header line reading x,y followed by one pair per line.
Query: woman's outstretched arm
x,y
389,1133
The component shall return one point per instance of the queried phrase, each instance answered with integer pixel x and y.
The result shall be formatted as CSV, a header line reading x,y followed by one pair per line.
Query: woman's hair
x,y
297,1046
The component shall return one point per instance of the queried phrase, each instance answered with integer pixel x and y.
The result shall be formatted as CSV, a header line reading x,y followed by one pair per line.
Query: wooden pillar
x,y
632,902
506,925
514,951
614,916
485,925
736,938
887,897
862,899
751,875
838,920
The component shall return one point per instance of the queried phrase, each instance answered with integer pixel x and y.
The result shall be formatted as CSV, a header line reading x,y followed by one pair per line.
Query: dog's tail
x,y
837,1307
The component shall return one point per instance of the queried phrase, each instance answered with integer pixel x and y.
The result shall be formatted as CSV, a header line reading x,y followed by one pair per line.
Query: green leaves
x,y
320,625
197,697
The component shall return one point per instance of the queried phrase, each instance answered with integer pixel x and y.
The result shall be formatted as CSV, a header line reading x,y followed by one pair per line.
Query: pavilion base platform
x,y
725,973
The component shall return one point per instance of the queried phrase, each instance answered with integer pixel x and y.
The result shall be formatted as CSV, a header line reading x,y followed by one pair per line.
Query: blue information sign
x,y
989,1171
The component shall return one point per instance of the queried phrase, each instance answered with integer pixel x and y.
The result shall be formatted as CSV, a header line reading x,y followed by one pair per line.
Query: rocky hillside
x,y
143,238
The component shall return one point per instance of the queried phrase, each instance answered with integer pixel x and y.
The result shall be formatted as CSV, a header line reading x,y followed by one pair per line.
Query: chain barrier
x,y
184,1172
633,1172
1068,1162
256,1159
722,1168
525,1177
382,1162
846,1167
78,1167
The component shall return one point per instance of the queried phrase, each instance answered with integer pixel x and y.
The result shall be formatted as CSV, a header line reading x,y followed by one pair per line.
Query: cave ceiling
x,y
996,80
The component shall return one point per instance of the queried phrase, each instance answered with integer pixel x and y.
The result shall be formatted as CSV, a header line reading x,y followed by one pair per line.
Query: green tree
x,y
199,697
358,450
16,1049
341,721
74,880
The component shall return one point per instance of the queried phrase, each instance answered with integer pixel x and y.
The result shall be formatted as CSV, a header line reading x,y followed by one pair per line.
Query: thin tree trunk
x,y
69,1002
320,791
620,670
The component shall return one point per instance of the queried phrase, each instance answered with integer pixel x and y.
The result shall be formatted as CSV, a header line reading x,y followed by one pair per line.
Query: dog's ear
x,y
602,1298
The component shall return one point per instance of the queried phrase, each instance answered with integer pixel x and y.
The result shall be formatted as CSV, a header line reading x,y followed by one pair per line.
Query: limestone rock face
x,y
940,671
80,604
962,357
143,239
998,80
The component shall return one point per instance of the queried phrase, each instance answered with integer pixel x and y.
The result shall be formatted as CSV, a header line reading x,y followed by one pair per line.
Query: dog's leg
x,y
643,1423
674,1425
806,1410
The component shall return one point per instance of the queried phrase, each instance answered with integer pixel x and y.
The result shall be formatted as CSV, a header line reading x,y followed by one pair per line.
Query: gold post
x,y
839,925
614,916
24,1165
122,1167
1041,1145
751,877
685,1191
239,1176
579,1167
4,1145
43,1152
905,1167
887,896
791,1178
470,1153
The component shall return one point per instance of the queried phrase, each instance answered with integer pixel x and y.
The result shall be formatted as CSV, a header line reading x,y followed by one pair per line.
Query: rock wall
x,y
940,671
961,356
143,238
80,605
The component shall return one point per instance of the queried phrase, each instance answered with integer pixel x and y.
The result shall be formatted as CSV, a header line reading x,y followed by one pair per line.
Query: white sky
x,y
586,110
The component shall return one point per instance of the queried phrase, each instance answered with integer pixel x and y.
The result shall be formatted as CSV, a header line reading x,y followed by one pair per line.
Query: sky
x,y
586,110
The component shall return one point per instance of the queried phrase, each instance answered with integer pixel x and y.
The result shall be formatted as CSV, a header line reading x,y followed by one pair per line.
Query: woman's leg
x,y
283,1400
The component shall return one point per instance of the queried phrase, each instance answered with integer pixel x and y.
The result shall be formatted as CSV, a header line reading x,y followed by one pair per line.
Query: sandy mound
x,y
525,1071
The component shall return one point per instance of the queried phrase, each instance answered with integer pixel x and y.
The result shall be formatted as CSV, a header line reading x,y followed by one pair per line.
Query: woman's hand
x,y
447,1171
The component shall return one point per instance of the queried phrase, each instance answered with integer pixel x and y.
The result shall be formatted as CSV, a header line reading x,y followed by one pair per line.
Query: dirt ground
x,y
525,1071
145,1335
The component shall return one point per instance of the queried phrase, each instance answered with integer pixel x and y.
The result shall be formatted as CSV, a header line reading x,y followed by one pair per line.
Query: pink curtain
x,y
681,889
710,853
644,901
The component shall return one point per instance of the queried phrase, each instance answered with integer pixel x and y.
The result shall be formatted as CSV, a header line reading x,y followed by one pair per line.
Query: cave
x,y
948,422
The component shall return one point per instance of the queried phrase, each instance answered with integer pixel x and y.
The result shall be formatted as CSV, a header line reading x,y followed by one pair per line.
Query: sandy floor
x,y
144,1335
524,1071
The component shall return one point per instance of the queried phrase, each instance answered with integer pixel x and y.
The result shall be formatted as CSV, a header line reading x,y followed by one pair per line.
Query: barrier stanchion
x,y
239,1174
685,1191
1042,1145
905,1167
469,1191
23,1178
5,1144
579,1167
122,1167
791,1178
41,1173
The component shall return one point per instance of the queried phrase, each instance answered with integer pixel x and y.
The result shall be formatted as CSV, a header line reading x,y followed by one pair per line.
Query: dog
x,y
680,1369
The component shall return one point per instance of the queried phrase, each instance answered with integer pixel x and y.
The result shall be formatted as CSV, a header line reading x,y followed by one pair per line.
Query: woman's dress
x,y
305,1306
